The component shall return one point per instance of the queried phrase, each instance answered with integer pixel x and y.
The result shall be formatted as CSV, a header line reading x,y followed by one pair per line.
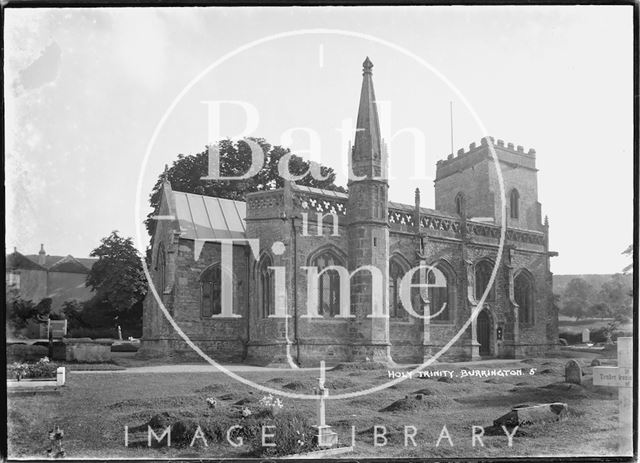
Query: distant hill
x,y
560,282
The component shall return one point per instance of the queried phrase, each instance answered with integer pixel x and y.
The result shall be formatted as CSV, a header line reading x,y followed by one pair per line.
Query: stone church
x,y
298,228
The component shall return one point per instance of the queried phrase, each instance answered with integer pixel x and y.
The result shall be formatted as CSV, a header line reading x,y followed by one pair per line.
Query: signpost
x,y
622,378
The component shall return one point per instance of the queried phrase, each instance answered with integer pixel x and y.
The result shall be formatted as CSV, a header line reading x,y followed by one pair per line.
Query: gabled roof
x,y
206,217
69,264
50,261
16,260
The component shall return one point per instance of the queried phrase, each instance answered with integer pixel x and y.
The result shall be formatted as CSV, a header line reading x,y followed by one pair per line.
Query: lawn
x,y
570,324
93,409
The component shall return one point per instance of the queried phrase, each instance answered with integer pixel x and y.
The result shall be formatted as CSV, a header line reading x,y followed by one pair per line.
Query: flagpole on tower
x,y
451,123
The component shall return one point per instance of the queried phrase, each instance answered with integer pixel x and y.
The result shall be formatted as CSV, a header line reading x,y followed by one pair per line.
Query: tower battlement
x,y
506,152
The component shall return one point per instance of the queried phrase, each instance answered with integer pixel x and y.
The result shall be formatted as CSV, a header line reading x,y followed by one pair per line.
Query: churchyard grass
x,y
570,324
93,409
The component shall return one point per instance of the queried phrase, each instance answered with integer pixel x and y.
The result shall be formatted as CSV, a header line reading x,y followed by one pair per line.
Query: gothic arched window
x,y
514,206
441,295
265,276
328,284
460,204
396,272
211,290
523,293
161,268
482,276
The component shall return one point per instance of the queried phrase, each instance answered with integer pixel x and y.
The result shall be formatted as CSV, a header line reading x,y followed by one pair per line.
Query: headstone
x,y
573,372
595,363
622,378
586,335
60,376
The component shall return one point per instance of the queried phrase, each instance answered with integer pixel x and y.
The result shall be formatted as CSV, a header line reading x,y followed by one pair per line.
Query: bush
x,y
41,369
127,347
25,353
571,338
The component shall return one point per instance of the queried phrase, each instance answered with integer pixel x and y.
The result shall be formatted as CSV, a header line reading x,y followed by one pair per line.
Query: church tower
x,y
368,231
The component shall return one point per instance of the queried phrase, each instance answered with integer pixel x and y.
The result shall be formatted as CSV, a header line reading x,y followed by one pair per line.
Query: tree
x,y
72,310
117,277
614,294
576,298
235,159
21,311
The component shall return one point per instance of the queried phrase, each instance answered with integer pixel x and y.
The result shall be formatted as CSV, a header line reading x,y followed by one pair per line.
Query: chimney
x,y
42,255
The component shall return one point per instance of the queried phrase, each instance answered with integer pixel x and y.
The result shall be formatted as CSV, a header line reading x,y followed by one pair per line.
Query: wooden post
x,y
50,343
622,378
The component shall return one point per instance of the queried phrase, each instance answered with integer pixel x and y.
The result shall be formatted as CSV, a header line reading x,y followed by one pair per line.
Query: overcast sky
x,y
86,88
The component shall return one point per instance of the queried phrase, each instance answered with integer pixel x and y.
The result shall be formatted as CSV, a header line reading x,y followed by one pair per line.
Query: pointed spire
x,y
367,66
367,153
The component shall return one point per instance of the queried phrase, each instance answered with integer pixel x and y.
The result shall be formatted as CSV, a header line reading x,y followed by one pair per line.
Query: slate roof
x,y
207,217
50,261
69,264
16,260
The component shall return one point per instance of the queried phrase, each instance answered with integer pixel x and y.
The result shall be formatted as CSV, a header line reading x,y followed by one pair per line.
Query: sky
x,y
87,89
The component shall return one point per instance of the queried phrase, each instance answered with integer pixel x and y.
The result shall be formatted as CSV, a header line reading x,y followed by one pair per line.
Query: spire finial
x,y
165,173
366,66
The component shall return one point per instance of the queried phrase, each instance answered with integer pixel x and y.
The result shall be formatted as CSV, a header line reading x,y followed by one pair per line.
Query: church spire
x,y
367,153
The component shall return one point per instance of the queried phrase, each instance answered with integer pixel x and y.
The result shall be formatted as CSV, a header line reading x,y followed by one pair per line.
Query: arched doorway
x,y
484,332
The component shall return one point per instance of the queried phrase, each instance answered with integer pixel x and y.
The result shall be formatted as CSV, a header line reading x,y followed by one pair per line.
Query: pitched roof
x,y
206,217
16,260
50,261
69,264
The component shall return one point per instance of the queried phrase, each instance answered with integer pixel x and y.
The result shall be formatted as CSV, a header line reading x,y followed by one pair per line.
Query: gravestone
x,y
595,363
586,335
60,376
573,372
622,378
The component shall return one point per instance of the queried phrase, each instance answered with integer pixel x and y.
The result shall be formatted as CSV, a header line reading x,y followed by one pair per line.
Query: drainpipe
x,y
294,250
248,303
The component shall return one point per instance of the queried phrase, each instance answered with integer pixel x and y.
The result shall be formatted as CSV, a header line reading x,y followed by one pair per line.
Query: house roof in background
x,y
69,264
16,260
206,217
50,261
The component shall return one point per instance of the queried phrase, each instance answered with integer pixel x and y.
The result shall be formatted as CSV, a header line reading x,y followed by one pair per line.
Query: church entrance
x,y
484,332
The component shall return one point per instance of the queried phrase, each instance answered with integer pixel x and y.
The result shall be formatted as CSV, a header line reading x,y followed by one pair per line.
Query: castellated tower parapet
x,y
470,179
